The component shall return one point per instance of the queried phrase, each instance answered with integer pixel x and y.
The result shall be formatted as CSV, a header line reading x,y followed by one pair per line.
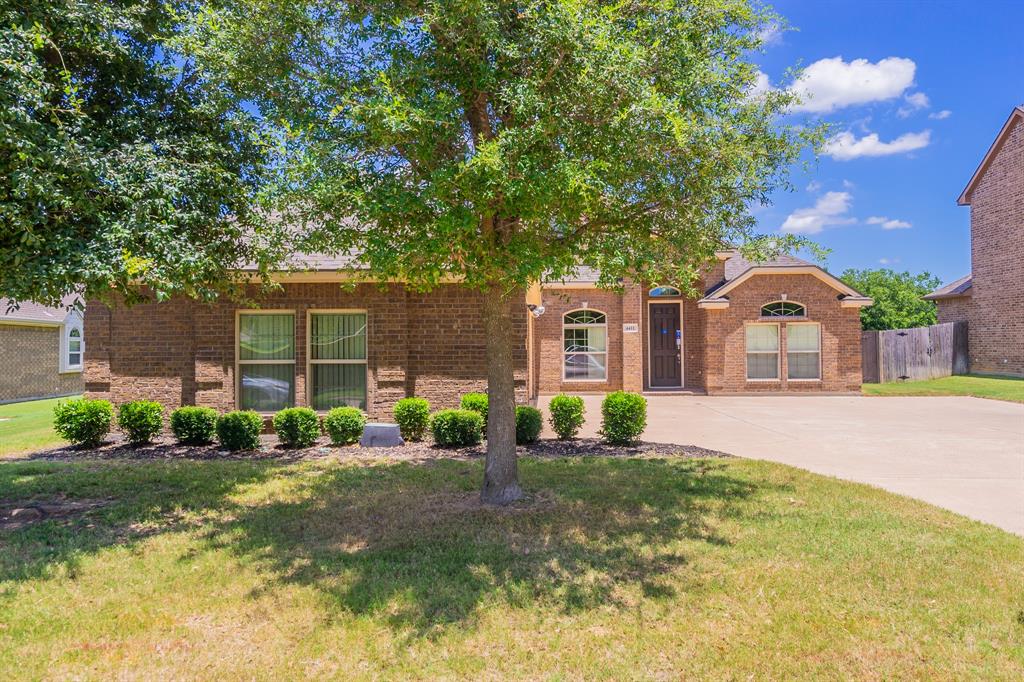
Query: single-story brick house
x,y
41,350
779,327
987,298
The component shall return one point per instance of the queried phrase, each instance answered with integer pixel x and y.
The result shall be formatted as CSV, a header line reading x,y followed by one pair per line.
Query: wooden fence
x,y
907,354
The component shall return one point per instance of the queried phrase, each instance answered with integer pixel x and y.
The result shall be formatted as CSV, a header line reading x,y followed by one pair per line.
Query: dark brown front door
x,y
666,345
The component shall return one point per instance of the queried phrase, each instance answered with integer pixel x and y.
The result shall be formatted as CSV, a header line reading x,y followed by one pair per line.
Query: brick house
x,y
988,298
778,327
40,351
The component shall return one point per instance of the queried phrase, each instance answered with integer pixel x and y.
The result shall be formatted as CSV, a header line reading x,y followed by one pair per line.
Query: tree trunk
x,y
501,473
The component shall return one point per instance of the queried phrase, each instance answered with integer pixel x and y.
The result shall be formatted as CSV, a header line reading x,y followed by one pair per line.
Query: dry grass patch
x,y
612,568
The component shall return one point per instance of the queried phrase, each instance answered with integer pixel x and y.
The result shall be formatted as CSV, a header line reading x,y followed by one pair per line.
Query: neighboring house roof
x,y
318,262
1017,115
960,287
738,270
29,312
583,276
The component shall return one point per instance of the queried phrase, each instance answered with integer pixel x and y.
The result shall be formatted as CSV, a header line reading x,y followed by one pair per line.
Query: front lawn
x,y
27,426
615,568
977,385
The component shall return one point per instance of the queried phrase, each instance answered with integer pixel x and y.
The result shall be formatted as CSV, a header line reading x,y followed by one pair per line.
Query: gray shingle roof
x,y
960,287
29,311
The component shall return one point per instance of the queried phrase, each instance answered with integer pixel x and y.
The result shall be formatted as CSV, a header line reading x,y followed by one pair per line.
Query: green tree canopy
x,y
494,141
118,164
898,298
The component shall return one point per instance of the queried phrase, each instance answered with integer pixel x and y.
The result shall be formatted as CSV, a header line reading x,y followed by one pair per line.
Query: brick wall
x,y
956,309
996,330
725,347
30,364
183,352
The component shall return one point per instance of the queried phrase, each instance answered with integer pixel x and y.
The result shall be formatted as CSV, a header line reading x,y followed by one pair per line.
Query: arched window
x,y
73,357
585,346
663,292
783,309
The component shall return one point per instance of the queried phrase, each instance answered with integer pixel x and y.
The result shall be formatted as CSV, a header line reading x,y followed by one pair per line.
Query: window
x,y
585,345
266,361
803,351
663,292
73,349
783,309
762,351
337,358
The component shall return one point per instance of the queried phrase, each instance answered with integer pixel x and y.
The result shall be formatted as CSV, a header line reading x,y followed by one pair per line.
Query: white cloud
x,y
888,261
848,185
941,115
846,146
761,84
830,84
915,101
813,186
770,35
888,224
830,209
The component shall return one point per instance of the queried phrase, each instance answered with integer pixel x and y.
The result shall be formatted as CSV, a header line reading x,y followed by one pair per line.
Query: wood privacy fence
x,y
922,353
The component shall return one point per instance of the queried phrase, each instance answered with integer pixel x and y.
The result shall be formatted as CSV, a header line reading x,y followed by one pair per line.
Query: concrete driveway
x,y
964,454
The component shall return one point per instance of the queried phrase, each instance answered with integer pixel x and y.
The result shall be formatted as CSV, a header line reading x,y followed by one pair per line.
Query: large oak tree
x,y
496,143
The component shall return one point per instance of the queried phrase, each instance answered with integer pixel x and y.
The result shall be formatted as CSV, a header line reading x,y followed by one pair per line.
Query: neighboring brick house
x,y
988,298
40,351
783,326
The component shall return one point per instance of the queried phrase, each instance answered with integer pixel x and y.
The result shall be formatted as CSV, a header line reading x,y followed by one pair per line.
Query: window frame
x,y
782,317
586,325
65,366
777,352
365,362
788,351
238,353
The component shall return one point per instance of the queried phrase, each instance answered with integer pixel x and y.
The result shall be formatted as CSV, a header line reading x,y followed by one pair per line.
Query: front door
x,y
666,345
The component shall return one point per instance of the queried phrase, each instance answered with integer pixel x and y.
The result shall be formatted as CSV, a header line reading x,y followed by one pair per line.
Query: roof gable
x,y
1016,116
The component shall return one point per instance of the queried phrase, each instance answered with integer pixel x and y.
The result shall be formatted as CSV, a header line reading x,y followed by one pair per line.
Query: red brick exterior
x,y
183,353
725,340
994,311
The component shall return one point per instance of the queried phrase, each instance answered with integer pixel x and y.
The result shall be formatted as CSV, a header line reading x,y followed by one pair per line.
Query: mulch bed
x,y
270,449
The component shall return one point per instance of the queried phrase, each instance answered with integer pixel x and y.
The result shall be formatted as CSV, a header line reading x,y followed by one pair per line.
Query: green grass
x,y
27,426
616,569
977,385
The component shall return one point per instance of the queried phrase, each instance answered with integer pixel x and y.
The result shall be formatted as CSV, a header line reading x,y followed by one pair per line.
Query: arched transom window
x,y
783,309
663,292
585,346
74,349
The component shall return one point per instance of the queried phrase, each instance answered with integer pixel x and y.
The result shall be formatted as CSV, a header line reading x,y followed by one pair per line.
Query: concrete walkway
x,y
964,454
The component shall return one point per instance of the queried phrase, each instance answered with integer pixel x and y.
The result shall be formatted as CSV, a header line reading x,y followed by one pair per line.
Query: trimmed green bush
x,y
83,422
297,427
477,402
240,430
457,427
529,422
413,417
623,417
566,415
194,425
345,425
140,420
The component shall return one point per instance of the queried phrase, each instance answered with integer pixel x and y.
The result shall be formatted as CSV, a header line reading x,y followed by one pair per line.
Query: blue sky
x,y
890,200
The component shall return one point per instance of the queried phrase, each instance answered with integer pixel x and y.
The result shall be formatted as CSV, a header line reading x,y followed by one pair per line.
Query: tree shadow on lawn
x,y
408,542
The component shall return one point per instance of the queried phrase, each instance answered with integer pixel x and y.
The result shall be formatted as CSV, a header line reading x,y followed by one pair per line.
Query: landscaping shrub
x,y
140,420
239,430
83,422
413,417
297,427
194,425
345,425
477,402
457,427
566,415
529,422
623,417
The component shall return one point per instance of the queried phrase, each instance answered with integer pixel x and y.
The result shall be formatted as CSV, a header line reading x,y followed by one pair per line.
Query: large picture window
x,y
337,359
585,346
266,361
803,351
762,351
